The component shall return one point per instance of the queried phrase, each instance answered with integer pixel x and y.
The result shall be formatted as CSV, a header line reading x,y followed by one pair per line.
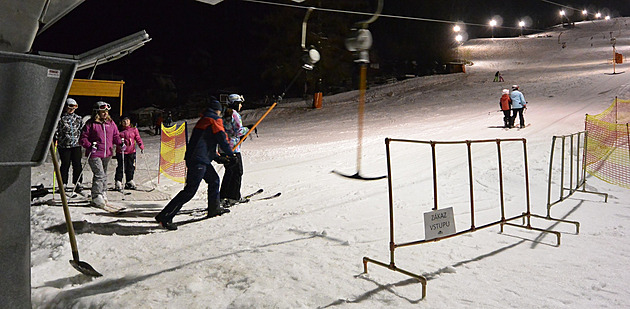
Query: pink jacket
x,y
105,135
131,136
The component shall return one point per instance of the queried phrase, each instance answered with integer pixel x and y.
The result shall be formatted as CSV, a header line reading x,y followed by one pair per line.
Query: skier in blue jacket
x,y
201,150
518,106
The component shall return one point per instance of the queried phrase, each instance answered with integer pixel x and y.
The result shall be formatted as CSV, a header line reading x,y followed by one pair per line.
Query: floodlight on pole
x,y
607,17
598,15
585,14
459,38
492,23
457,28
521,24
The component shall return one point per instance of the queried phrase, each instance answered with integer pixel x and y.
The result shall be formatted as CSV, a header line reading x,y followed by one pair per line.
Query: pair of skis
x,y
518,128
201,212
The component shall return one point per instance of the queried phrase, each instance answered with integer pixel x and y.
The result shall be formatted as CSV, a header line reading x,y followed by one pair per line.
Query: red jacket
x,y
131,136
505,102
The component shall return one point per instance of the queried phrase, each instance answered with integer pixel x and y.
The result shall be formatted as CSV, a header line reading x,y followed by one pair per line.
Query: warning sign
x,y
439,223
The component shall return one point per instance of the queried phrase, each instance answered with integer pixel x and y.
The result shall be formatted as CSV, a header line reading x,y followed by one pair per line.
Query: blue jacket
x,y
518,100
206,135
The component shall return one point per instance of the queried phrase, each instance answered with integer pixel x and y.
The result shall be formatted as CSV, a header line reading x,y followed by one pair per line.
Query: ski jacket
x,y
518,100
505,102
68,130
131,136
235,130
105,134
206,135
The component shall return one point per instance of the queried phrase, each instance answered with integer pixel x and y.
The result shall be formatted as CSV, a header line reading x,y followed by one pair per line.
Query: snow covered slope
x,y
304,249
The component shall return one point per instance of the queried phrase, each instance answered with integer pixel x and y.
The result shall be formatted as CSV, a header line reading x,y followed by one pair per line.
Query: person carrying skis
x,y
99,136
67,140
231,185
201,150
506,106
130,136
518,106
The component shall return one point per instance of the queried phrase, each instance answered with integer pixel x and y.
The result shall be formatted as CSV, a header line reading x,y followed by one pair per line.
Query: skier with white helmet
x,y
518,105
231,185
99,137
67,138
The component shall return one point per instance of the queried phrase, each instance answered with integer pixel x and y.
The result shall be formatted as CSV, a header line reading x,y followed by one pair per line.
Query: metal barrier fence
x,y
575,159
525,216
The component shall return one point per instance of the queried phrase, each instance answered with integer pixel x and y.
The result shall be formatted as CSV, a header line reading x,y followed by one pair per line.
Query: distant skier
x,y
498,77
169,120
67,138
231,184
130,136
518,106
506,106
200,152
99,136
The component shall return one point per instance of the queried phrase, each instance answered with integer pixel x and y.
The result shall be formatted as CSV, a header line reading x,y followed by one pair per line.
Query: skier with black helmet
x,y
201,150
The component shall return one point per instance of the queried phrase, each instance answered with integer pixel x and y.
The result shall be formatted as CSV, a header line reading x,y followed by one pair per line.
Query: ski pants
x,y
231,183
129,166
70,156
196,173
521,119
507,118
99,180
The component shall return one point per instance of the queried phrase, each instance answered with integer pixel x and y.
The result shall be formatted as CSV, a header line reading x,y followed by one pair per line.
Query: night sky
x,y
199,50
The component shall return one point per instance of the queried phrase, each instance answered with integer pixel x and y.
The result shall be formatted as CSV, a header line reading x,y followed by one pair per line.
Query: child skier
x,y
231,184
506,106
129,136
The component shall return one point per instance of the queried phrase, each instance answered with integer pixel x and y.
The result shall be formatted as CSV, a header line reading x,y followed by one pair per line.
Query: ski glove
x,y
225,160
123,147
94,147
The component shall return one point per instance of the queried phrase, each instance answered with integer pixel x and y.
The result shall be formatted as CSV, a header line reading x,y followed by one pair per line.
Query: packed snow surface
x,y
304,249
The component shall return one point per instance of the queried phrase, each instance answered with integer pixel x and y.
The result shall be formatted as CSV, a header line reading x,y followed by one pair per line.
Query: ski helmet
x,y
102,106
235,99
70,102
505,91
514,87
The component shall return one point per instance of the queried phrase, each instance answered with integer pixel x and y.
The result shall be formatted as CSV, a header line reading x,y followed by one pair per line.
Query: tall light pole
x,y
562,14
585,14
598,15
521,24
493,23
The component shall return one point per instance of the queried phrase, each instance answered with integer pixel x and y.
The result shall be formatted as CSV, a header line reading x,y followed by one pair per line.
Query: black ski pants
x,y
129,166
521,119
507,118
70,156
232,178
196,172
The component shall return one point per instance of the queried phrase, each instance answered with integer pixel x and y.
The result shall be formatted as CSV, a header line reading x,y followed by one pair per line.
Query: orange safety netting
x,y
608,144
172,151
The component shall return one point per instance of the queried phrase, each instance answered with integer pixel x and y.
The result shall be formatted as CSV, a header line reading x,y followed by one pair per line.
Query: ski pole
x,y
122,155
74,194
146,167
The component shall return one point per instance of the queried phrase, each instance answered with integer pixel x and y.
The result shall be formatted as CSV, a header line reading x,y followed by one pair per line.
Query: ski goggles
x,y
102,106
